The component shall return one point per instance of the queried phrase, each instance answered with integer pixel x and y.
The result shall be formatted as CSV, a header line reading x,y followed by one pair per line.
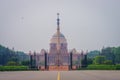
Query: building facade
x,y
58,55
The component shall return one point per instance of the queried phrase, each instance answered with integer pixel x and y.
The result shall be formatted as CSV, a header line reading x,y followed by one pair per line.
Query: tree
x,y
25,63
117,55
108,62
7,55
14,59
99,60
108,53
93,54
12,63
89,61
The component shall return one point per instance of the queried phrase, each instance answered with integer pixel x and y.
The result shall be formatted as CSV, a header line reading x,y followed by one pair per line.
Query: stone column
x,y
71,58
46,61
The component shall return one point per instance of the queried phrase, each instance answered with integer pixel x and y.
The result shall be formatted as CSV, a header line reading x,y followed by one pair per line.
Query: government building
x,y
58,57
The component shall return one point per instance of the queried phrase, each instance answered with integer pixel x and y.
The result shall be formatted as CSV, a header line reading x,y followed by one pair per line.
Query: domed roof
x,y
55,35
55,38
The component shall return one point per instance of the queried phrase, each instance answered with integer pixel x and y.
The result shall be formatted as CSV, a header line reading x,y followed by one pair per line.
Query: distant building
x,y
58,54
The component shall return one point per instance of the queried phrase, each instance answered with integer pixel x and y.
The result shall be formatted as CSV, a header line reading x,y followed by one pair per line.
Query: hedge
x,y
118,67
13,68
103,67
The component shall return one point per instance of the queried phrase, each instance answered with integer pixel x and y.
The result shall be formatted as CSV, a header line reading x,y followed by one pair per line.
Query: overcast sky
x,y
87,24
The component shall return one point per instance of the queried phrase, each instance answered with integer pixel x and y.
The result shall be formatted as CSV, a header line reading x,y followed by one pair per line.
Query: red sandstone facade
x,y
58,45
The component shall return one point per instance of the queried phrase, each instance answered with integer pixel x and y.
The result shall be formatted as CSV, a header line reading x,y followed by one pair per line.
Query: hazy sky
x,y
87,24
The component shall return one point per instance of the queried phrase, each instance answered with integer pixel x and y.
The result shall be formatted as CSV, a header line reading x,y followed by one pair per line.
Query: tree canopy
x,y
8,55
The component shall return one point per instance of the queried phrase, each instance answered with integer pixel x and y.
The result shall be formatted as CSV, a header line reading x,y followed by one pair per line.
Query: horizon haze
x,y
28,25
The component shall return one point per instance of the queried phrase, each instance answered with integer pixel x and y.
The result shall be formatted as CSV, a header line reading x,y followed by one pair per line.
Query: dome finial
x,y
58,15
58,20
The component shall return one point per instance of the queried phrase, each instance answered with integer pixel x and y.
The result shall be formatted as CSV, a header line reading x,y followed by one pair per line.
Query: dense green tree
x,y
99,60
12,63
7,55
117,54
108,62
108,53
15,59
93,54
112,53
25,63
89,61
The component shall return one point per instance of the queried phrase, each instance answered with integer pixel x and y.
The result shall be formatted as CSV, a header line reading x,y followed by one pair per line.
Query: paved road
x,y
61,75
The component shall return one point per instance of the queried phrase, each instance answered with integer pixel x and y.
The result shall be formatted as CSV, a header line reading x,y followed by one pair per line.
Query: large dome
x,y
55,37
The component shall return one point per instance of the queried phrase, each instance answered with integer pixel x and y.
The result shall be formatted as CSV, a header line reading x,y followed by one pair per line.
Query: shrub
x,y
118,67
108,62
13,68
101,67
